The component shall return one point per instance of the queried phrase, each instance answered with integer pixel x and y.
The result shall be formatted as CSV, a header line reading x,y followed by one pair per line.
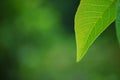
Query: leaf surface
x,y
92,18
118,21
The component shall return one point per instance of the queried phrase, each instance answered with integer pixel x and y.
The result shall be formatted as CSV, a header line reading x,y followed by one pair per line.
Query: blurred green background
x,y
37,42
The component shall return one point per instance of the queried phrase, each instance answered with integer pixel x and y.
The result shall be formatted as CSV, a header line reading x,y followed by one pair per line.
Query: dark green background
x,y
37,42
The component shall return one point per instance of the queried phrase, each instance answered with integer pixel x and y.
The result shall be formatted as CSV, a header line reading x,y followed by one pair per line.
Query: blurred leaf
x,y
118,21
92,18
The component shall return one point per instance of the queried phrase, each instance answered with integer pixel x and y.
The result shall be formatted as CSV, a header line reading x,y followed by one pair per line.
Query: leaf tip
x,y
79,57
77,60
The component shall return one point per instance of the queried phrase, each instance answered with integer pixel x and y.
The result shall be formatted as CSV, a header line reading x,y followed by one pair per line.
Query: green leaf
x,y
92,18
118,21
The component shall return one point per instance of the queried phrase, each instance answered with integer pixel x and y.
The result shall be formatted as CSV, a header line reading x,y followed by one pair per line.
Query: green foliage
x,y
118,21
37,43
92,18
